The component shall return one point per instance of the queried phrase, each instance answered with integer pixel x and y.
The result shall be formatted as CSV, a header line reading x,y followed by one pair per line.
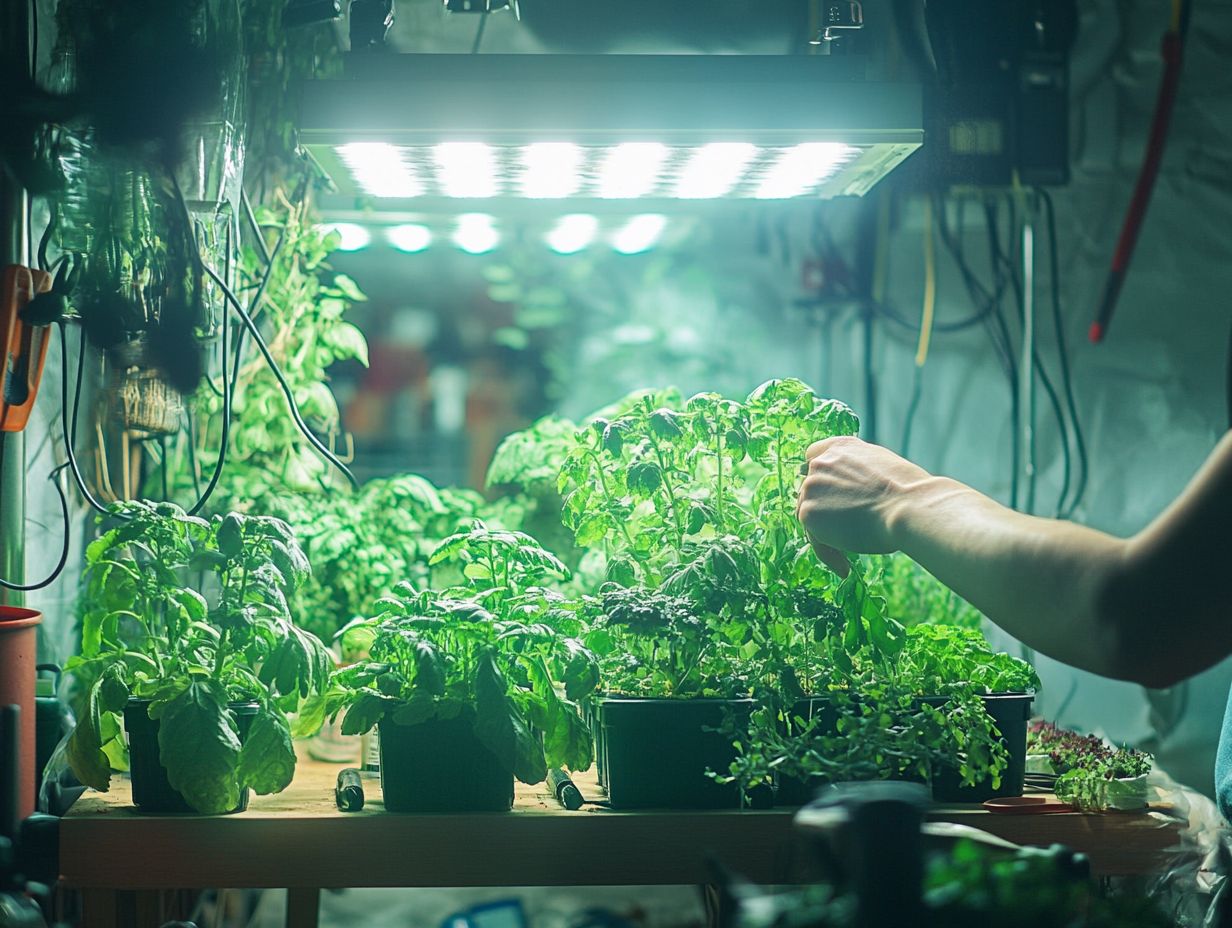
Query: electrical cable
x,y
1172,50
256,226
70,424
282,382
1067,508
483,21
926,325
59,568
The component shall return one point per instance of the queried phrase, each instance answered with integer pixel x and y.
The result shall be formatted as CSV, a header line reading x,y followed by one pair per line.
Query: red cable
x,y
1171,51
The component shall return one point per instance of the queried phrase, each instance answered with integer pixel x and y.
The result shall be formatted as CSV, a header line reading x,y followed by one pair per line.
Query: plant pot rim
x,y
13,618
693,700
1006,695
134,701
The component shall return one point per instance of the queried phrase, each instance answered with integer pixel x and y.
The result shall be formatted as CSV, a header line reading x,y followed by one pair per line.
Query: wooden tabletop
x,y
298,839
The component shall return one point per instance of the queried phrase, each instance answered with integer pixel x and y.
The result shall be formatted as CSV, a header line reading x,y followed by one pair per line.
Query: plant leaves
x,y
199,748
267,757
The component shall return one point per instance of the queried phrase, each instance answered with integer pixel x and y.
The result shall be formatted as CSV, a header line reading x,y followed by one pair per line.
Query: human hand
x,y
850,496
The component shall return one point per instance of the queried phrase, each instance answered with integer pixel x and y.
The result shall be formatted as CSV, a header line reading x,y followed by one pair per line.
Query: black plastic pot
x,y
590,714
656,752
792,791
441,766
151,791
1010,712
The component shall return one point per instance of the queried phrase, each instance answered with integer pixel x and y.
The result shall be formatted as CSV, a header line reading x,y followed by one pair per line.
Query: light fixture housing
x,y
441,130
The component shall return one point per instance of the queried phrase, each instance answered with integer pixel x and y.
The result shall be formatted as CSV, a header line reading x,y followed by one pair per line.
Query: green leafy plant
x,y
916,597
484,651
193,648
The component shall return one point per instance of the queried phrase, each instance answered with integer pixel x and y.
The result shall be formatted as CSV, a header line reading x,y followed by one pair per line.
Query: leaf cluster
x,y
491,651
193,615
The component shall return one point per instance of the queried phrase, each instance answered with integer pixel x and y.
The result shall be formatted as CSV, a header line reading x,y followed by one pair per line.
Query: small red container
x,y
18,657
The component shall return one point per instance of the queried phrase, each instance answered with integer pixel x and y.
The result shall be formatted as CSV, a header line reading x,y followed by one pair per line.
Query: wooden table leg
x,y
303,908
98,908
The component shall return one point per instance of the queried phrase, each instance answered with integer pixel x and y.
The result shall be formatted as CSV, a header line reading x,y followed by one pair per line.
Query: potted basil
x,y
471,687
203,672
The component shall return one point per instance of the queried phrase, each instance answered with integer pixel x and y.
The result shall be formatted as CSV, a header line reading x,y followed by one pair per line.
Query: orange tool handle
x,y
24,346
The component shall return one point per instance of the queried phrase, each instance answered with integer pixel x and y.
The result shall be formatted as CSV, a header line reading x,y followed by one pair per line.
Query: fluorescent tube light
x,y
801,168
551,170
466,169
631,169
379,170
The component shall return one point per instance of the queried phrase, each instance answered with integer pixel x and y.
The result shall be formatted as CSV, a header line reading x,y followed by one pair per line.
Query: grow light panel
x,y
607,127
351,236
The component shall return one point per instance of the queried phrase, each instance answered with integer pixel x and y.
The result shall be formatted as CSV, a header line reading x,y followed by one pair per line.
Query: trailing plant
x,y
480,652
1091,770
192,648
302,312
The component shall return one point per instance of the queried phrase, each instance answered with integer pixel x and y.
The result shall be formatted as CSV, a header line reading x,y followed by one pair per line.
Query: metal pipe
x,y
14,249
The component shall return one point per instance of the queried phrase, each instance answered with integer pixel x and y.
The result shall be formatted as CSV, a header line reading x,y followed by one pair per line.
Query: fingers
x,y
818,448
832,558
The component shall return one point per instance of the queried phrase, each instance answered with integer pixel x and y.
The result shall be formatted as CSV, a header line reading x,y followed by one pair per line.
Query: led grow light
x,y
409,237
713,170
550,170
639,234
351,237
378,169
475,233
610,127
573,233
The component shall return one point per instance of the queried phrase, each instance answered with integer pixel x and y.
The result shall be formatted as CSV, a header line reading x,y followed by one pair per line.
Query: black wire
x,y
70,425
1067,385
282,381
59,568
256,226
483,21
34,38
192,450
224,438
917,389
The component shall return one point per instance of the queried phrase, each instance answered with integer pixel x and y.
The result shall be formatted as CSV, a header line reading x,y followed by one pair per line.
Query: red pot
x,y
18,656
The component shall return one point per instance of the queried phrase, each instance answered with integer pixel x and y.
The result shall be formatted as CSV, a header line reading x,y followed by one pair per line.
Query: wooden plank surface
x,y
298,839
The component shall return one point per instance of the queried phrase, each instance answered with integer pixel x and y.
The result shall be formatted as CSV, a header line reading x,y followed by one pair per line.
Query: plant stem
x,y
607,494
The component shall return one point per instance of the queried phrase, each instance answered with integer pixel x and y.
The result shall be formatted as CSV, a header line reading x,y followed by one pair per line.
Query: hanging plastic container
x,y
18,660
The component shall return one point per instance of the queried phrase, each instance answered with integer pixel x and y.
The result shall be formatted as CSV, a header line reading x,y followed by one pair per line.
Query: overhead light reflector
x,y
614,127
573,233
639,234
475,233
409,237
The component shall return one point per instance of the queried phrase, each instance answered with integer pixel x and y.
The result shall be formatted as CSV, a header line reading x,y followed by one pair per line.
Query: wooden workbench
x,y
120,860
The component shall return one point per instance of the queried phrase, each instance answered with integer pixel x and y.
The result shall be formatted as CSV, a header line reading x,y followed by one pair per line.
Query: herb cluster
x,y
193,617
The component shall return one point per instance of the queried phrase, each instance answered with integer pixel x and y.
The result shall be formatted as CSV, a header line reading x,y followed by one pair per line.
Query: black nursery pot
x,y
792,791
1010,712
151,791
441,766
657,751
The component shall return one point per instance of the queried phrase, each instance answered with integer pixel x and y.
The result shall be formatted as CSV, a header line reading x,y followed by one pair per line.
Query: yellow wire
x,y
1176,16
930,287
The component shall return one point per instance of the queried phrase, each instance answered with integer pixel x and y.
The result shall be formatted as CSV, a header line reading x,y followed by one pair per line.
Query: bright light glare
x,y
639,234
573,233
379,170
712,170
476,233
350,236
801,168
631,169
466,169
551,170
410,238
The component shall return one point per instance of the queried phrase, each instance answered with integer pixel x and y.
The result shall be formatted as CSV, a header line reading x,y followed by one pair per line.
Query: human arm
x,y
1154,608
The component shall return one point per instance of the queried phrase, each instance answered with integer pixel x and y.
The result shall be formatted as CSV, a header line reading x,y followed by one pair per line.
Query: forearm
x,y
1043,581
